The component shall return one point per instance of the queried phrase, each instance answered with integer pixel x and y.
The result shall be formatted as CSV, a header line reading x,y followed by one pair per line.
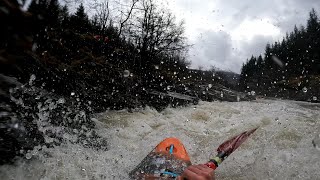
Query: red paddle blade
x,y
232,144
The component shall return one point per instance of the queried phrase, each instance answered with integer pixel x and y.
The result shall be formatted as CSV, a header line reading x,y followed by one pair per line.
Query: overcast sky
x,y
227,32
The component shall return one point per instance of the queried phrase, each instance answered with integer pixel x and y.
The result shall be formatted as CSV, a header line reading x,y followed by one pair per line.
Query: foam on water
x,y
281,148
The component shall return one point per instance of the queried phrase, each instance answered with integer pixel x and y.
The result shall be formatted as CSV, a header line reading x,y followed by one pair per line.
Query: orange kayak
x,y
166,161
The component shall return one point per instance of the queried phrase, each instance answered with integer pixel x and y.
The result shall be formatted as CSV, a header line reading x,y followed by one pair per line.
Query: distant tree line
x,y
292,64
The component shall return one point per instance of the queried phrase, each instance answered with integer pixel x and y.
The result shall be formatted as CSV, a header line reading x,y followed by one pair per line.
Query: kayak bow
x,y
169,158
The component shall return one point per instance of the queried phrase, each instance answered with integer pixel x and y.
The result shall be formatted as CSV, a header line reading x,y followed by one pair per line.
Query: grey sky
x,y
227,32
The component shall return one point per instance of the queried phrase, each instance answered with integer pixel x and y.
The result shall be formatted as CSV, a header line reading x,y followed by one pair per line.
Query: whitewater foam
x,y
281,148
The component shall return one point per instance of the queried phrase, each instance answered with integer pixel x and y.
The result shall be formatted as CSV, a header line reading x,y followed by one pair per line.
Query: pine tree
x,y
80,21
64,16
313,42
299,53
53,13
80,13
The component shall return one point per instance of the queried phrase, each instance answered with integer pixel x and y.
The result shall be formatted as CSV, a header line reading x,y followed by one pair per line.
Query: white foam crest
x,y
280,149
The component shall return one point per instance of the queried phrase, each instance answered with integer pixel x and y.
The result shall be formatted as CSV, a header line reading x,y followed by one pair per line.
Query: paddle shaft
x,y
217,160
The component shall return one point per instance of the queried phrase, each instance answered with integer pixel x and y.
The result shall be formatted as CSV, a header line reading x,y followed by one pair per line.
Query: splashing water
x,y
316,142
49,122
131,136
32,79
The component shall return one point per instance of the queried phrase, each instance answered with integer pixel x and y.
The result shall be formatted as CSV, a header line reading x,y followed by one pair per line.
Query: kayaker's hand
x,y
197,172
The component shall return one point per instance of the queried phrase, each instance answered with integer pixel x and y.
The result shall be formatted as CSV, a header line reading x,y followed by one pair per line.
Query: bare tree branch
x,y
122,23
103,15
156,31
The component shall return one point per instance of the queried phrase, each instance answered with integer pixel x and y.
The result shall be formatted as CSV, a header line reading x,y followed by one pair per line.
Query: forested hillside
x,y
105,61
58,68
288,69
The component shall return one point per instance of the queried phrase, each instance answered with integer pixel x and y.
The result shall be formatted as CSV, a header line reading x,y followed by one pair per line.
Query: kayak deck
x,y
168,159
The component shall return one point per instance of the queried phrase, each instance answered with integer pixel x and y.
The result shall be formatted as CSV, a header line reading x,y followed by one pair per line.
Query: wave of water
x,y
282,148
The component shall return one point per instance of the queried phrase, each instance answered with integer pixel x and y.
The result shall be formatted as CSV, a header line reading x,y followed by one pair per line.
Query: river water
x,y
284,147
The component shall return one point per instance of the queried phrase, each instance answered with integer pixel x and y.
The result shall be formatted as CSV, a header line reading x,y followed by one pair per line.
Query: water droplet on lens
x,y
28,156
126,73
253,93
16,126
34,47
305,89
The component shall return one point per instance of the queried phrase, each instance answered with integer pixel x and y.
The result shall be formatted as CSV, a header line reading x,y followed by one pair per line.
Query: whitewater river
x,y
286,146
